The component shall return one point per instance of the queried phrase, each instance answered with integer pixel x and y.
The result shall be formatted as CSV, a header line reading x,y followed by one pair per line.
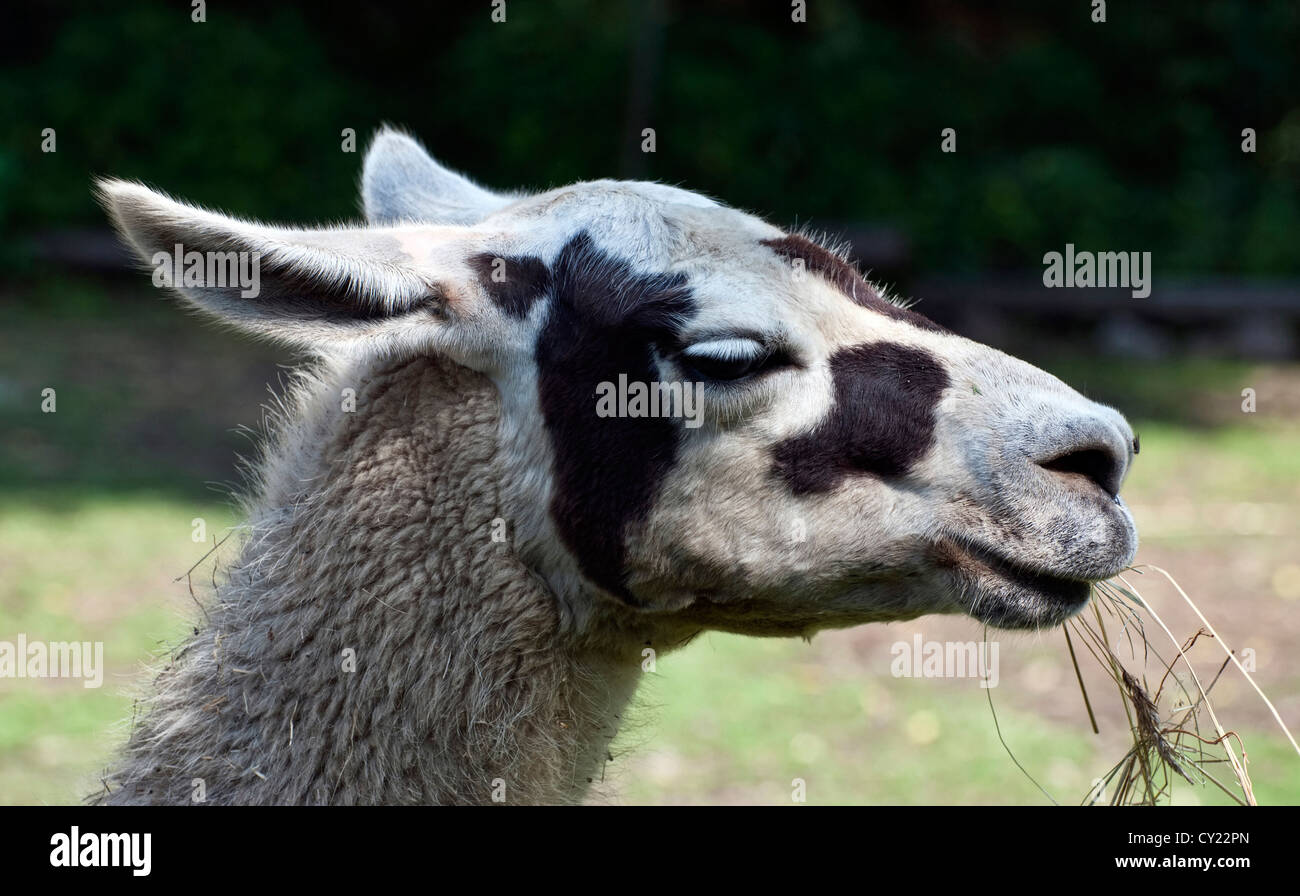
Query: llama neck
x,y
374,642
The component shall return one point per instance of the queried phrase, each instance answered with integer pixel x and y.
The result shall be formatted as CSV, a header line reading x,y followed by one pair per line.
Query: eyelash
x,y
697,366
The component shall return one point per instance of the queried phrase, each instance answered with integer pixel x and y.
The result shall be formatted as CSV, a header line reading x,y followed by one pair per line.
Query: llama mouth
x,y
1006,594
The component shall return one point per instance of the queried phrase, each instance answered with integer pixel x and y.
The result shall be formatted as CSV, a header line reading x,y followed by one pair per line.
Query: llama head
x,y
704,419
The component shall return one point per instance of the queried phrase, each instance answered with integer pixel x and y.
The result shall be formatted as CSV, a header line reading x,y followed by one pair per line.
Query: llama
x,y
454,571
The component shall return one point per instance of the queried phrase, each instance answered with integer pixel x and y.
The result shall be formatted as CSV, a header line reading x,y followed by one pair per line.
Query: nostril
x,y
1097,464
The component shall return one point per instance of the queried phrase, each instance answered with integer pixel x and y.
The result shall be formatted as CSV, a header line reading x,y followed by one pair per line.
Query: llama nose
x,y
1096,447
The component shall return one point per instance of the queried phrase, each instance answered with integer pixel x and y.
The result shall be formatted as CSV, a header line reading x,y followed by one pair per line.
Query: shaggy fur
x,y
462,678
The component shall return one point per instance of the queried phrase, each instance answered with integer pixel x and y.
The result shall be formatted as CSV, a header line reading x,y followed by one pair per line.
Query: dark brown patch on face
x,y
882,421
513,282
606,320
844,277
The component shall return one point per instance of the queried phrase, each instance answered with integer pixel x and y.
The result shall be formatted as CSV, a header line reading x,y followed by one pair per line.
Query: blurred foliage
x,y
1123,135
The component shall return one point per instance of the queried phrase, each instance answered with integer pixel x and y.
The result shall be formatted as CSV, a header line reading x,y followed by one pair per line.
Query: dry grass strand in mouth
x,y
1165,744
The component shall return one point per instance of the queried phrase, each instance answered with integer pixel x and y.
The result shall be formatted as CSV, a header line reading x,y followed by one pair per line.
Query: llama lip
x,y
1006,594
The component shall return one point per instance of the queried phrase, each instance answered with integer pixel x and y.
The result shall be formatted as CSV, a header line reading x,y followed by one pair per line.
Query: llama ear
x,y
314,289
400,181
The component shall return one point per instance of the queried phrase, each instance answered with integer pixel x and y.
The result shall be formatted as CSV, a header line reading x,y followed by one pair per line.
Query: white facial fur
x,y
966,519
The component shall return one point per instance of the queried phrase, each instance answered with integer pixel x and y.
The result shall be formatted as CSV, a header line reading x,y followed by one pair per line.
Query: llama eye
x,y
724,359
